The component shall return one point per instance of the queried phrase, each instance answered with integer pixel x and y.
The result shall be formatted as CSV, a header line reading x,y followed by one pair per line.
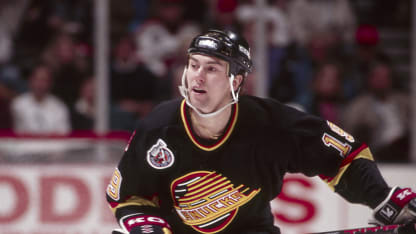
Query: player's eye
x,y
212,69
193,66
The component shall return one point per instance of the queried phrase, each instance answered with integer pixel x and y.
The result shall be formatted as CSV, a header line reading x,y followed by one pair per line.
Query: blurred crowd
x,y
324,57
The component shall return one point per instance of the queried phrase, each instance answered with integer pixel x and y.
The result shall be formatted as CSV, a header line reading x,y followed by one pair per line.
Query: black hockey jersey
x,y
225,185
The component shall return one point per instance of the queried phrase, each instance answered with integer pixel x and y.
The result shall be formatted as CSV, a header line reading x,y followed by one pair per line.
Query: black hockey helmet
x,y
225,45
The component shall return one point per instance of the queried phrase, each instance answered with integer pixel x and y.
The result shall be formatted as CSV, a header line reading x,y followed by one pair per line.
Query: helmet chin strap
x,y
183,89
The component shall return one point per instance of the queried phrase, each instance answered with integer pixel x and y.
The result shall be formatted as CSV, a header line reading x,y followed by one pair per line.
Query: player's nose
x,y
200,76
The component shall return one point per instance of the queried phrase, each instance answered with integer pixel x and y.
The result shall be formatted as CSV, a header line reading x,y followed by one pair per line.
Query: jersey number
x,y
331,141
113,188
340,132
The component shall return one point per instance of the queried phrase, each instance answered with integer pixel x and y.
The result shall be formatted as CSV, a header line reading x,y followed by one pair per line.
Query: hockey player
x,y
213,161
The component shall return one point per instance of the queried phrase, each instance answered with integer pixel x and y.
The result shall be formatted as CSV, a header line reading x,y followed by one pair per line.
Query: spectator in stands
x,y
83,111
366,52
375,11
42,19
10,80
380,116
278,38
158,39
133,86
300,62
276,17
73,17
11,85
291,83
308,17
318,35
37,111
196,11
69,64
224,15
10,15
35,30
141,13
122,14
6,95
327,100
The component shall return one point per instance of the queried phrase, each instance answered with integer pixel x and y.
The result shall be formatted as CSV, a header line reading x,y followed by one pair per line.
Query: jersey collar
x,y
192,136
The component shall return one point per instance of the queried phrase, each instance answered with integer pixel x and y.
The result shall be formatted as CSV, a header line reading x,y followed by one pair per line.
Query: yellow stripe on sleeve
x,y
365,154
137,201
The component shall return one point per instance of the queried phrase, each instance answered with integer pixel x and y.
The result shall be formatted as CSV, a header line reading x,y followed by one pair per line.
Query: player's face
x,y
208,83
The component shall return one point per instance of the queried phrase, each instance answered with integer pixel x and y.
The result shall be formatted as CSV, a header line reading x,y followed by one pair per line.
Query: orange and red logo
x,y
208,201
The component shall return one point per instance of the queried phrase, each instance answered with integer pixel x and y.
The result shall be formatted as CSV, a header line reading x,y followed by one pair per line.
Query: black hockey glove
x,y
141,223
399,207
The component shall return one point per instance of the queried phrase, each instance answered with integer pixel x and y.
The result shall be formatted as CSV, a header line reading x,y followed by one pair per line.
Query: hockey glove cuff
x,y
141,223
399,207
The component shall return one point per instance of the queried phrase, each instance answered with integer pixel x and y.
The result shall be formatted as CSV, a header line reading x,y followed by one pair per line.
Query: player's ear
x,y
238,79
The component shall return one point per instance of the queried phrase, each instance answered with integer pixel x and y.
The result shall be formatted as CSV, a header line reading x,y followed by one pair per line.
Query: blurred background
x,y
76,76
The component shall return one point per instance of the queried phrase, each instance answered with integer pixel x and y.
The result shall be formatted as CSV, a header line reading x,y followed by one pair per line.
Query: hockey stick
x,y
408,228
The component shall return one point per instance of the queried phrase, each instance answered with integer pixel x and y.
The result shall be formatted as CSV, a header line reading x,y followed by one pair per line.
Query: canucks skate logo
x,y
160,156
208,201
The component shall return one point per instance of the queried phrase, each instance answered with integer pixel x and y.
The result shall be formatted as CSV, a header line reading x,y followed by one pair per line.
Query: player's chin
x,y
202,107
198,96
198,100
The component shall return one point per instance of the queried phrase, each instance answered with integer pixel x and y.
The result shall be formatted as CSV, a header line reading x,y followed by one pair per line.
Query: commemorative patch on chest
x,y
159,156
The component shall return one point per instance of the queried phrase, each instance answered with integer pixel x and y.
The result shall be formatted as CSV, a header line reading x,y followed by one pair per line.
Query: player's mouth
x,y
198,91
